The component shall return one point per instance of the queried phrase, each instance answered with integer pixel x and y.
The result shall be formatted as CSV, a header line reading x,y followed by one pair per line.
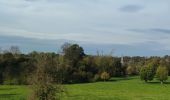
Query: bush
x,y
89,76
81,77
105,76
131,70
43,86
96,78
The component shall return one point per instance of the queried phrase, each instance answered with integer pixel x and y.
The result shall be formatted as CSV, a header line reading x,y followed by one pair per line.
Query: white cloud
x,y
95,38
94,21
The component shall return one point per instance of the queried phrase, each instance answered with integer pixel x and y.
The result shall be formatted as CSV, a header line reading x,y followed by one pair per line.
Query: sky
x,y
124,27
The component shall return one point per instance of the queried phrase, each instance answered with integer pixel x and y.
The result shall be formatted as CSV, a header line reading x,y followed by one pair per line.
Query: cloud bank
x,y
98,22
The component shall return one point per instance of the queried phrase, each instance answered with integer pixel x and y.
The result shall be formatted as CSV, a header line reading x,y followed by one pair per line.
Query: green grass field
x,y
116,89
13,92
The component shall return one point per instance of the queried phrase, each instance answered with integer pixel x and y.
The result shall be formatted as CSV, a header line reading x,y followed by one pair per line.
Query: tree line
x,y
72,65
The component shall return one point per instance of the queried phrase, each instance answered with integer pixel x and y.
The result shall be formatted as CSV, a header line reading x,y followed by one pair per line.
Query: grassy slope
x,y
117,89
13,92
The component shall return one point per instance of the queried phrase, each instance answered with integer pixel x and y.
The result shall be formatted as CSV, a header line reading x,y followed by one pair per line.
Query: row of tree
x,y
72,65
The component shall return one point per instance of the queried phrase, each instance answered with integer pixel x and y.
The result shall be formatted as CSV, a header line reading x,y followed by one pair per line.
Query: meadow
x,y
131,88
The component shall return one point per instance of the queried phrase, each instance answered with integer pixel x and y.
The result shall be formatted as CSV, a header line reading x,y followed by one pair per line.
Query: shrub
x,y
43,86
105,76
131,70
96,77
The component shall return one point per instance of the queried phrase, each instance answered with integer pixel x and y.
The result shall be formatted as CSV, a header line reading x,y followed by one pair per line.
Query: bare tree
x,y
14,50
0,50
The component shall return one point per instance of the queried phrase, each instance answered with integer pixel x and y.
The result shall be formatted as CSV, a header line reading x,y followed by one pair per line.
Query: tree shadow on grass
x,y
121,79
158,82
7,95
7,89
114,79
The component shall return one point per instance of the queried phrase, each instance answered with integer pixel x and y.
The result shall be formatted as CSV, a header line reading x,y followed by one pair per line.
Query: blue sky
x,y
128,27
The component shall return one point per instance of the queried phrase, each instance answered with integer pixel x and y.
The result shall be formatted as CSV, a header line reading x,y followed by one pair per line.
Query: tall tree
x,y
73,53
